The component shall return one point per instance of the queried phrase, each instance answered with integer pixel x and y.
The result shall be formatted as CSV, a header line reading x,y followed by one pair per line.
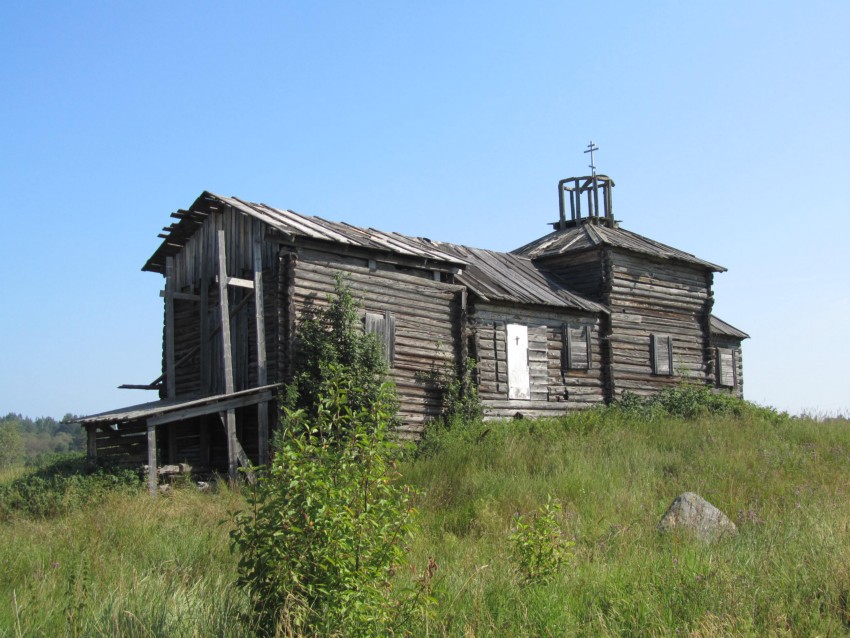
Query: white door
x,y
518,384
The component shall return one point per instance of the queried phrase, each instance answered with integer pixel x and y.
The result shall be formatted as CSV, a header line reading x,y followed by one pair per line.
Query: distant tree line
x,y
24,439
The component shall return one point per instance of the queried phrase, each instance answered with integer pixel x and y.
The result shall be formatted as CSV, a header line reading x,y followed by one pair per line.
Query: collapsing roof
x,y
293,226
491,275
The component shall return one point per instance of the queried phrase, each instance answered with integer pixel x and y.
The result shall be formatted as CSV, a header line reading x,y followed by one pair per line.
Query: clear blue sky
x,y
724,125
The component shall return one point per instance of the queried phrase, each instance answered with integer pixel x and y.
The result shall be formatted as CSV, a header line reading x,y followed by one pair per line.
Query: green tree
x,y
11,444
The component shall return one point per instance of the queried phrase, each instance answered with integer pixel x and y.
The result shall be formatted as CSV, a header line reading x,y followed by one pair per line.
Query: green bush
x,y
328,523
689,401
61,483
461,404
539,544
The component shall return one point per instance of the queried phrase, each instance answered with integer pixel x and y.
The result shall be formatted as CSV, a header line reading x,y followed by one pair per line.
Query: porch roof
x,y
177,409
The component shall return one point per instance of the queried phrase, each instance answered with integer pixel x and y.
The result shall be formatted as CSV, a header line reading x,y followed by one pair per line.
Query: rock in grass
x,y
692,513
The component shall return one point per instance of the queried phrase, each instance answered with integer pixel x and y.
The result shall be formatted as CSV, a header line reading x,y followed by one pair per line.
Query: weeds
x,y
166,570
61,483
539,544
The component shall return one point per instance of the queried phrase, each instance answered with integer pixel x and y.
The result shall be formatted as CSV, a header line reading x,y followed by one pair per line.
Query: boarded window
x,y
518,377
576,347
383,327
661,348
726,367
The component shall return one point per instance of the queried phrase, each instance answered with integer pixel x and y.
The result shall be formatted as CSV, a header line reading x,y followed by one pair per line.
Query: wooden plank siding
x,y
554,388
427,321
649,296
193,264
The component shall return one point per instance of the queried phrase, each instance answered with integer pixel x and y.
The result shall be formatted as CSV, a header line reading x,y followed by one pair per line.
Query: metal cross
x,y
590,148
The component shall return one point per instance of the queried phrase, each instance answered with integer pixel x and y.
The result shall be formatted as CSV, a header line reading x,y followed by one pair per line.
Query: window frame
x,y
656,353
570,350
720,369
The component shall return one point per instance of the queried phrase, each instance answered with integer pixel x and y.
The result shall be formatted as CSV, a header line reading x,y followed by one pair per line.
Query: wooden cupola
x,y
597,207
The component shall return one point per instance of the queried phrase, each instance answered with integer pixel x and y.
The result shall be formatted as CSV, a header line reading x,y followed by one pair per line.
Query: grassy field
x,y
99,558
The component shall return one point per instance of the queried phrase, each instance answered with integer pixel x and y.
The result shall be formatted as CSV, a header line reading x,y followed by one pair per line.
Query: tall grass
x,y
782,480
124,565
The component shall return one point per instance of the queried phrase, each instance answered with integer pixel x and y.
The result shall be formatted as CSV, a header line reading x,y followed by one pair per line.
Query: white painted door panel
x,y
518,381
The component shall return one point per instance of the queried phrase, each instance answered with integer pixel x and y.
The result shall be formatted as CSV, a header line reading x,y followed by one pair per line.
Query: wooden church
x,y
576,318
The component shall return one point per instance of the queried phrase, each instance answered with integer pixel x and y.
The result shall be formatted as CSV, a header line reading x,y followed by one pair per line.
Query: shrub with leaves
x,y
689,401
62,482
455,384
539,544
328,521
327,525
333,335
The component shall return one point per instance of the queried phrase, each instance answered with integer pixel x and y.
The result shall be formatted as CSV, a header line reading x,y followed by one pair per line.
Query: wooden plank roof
x,y
588,236
493,276
295,226
156,409
720,327
496,276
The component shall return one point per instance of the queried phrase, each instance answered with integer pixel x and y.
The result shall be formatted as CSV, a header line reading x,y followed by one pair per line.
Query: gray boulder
x,y
692,513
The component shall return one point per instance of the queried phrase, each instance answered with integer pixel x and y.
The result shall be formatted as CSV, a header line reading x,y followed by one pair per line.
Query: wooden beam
x,y
242,283
260,321
152,477
203,341
230,420
170,375
213,333
239,451
211,408
185,296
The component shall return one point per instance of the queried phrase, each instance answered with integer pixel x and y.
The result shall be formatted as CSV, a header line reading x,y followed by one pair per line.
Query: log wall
x,y
652,296
554,389
583,272
427,322
733,344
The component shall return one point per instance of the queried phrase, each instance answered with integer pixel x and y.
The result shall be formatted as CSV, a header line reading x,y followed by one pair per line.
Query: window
x,y
576,347
383,327
518,377
726,367
661,349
